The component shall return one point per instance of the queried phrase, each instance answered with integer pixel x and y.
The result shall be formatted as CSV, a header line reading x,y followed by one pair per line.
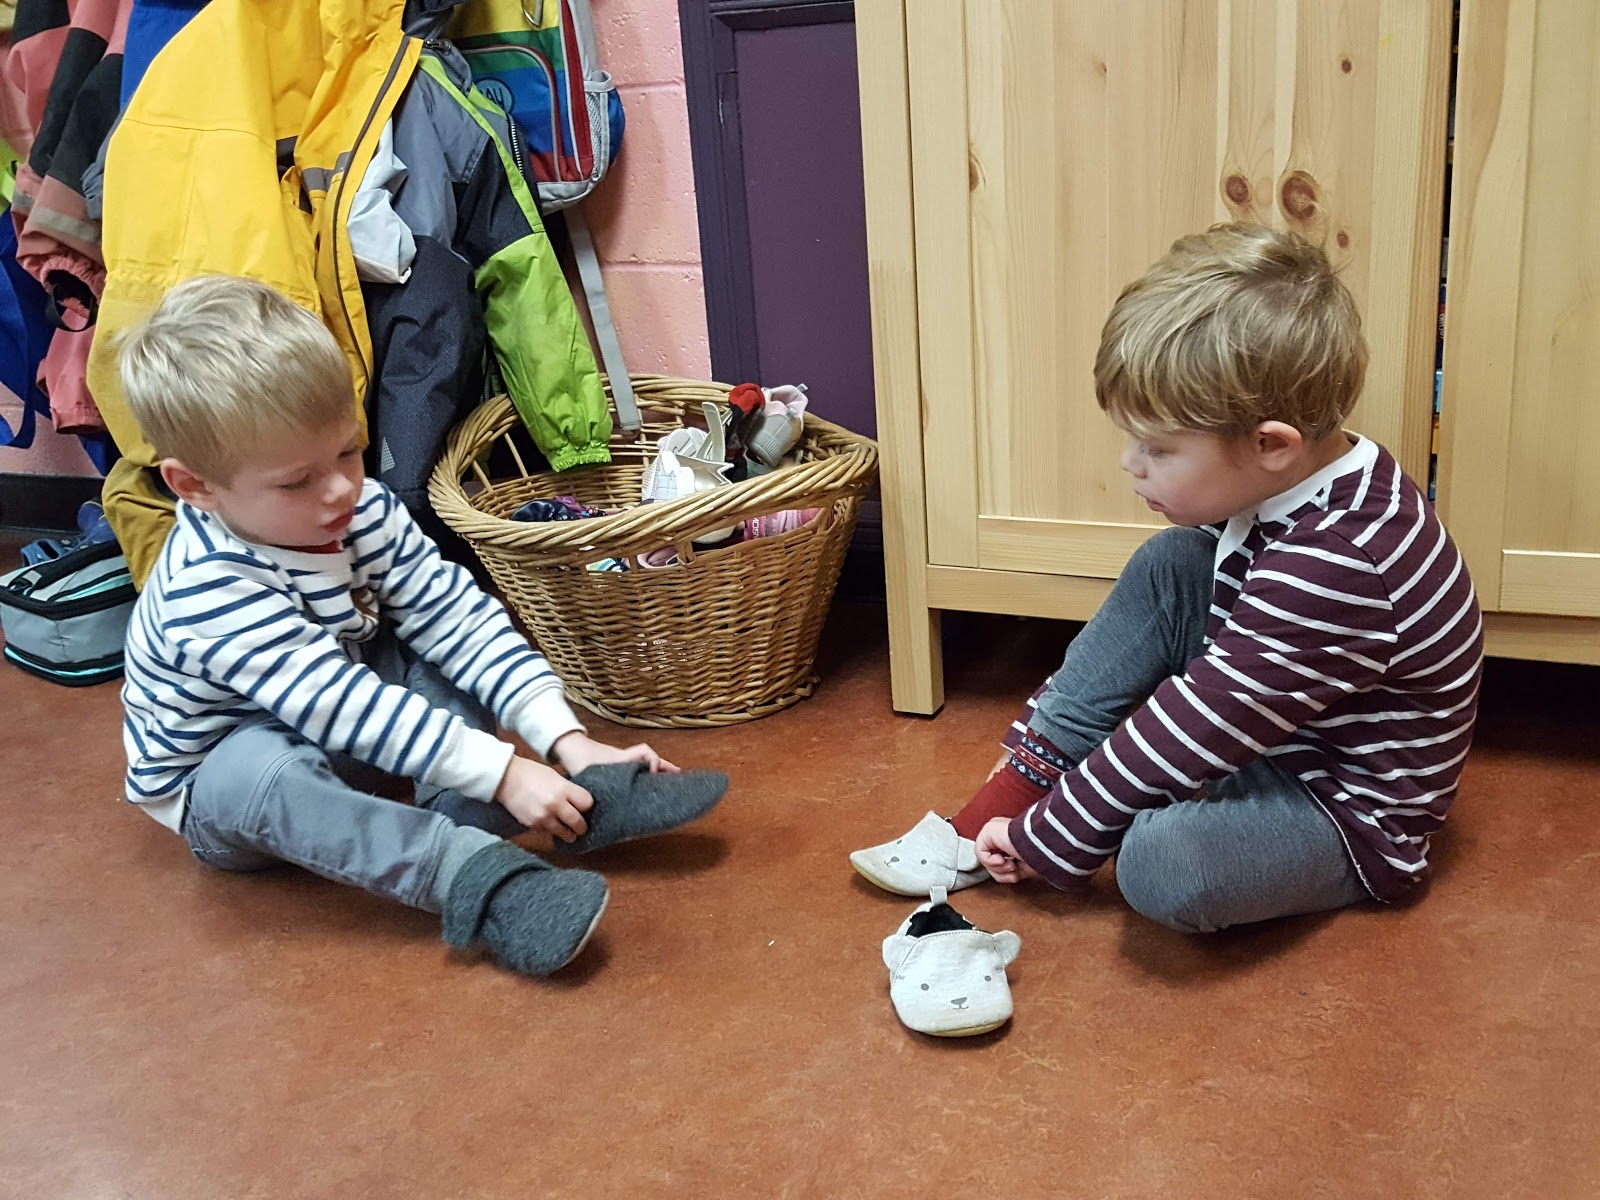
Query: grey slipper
x,y
630,802
534,918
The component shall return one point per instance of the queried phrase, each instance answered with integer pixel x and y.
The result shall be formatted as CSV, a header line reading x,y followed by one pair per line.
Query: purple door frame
x,y
744,282
782,220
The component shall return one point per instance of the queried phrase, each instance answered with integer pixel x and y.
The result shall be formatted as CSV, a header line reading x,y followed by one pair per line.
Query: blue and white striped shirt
x,y
226,629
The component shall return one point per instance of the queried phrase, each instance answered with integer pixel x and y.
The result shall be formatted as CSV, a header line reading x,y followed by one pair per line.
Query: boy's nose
x,y
1129,461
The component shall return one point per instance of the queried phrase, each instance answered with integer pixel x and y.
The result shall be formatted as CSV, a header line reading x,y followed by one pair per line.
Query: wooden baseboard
x,y
44,503
1542,638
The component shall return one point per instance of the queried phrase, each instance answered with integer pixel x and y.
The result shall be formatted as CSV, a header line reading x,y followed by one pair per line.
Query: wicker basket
x,y
724,636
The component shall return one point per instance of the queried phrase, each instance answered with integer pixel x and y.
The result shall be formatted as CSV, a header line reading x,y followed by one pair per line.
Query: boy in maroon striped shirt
x,y
1269,713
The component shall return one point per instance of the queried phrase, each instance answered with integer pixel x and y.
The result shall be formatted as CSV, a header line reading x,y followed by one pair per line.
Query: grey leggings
x,y
265,795
1255,845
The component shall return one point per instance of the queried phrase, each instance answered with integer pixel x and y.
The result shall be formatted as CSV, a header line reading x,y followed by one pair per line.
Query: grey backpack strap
x,y
605,331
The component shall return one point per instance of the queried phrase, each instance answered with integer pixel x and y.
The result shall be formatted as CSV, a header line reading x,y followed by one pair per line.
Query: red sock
x,y
1008,794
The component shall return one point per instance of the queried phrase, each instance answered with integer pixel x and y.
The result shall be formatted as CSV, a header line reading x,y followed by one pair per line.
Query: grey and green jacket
x,y
467,198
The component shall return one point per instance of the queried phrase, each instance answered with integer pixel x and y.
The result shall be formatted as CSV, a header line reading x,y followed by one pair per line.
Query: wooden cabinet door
x,y
1057,149
1519,470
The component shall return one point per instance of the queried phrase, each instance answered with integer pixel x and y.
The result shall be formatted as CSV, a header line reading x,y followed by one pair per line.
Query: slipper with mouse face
x,y
946,976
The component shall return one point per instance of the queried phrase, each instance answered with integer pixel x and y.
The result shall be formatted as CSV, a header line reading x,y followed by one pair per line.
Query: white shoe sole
x,y
879,881
587,933
969,1030
922,892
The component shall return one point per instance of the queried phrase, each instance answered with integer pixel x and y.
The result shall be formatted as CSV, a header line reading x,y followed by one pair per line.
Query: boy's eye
x,y
295,485
351,452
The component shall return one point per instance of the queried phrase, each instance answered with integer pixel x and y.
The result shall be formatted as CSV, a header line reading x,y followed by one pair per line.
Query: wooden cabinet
x,y
1519,464
1026,158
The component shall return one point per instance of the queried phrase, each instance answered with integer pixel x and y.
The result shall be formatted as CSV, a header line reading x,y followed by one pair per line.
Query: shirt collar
x,y
1314,489
322,560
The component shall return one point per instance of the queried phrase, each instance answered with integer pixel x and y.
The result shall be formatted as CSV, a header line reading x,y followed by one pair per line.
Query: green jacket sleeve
x,y
533,324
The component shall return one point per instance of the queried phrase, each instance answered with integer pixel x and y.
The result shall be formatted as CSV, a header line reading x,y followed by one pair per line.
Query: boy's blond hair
x,y
1235,326
224,366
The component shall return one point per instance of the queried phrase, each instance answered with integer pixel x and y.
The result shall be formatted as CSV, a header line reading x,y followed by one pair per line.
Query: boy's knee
x,y
1159,875
234,771
1178,552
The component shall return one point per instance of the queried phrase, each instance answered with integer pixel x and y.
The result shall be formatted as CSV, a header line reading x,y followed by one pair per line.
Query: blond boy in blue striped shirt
x,y
300,639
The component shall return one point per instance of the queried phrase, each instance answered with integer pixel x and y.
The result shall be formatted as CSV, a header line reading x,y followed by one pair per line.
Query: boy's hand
x,y
576,751
998,856
544,799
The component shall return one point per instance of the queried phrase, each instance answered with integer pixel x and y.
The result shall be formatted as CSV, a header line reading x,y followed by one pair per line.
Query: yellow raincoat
x,y
257,125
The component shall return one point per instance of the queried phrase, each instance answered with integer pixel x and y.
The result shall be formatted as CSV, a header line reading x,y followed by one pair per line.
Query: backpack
x,y
541,67
537,61
66,620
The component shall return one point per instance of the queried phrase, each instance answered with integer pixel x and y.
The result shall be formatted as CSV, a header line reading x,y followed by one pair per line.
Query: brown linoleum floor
x,y
171,1033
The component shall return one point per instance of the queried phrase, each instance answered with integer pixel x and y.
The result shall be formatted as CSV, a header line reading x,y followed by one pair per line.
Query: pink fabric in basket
x,y
776,523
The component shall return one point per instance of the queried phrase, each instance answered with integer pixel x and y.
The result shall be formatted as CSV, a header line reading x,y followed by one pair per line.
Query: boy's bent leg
x,y
397,663
1150,627
1257,847
265,794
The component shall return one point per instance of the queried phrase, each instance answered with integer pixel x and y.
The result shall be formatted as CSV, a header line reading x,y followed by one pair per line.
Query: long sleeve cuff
x,y
473,764
1055,873
541,719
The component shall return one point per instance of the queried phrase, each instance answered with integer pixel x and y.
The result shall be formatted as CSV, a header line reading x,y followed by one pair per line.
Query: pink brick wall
x,y
51,454
643,216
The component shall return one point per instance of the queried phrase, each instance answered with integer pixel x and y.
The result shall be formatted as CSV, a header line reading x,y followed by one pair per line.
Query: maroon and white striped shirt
x,y
1345,644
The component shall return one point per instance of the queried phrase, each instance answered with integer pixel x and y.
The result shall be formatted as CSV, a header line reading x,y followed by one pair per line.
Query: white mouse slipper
x,y
931,854
947,977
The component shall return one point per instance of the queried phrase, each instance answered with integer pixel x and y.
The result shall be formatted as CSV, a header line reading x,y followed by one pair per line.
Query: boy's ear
x,y
188,486
1277,444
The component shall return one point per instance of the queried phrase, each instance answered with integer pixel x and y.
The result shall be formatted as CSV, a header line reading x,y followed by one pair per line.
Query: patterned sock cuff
x,y
1037,760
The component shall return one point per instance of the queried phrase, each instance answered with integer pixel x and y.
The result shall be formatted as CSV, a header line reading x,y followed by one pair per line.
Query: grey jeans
x,y
265,795
1254,845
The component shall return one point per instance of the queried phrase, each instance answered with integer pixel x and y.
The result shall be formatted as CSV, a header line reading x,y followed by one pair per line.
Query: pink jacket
x,y
59,116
